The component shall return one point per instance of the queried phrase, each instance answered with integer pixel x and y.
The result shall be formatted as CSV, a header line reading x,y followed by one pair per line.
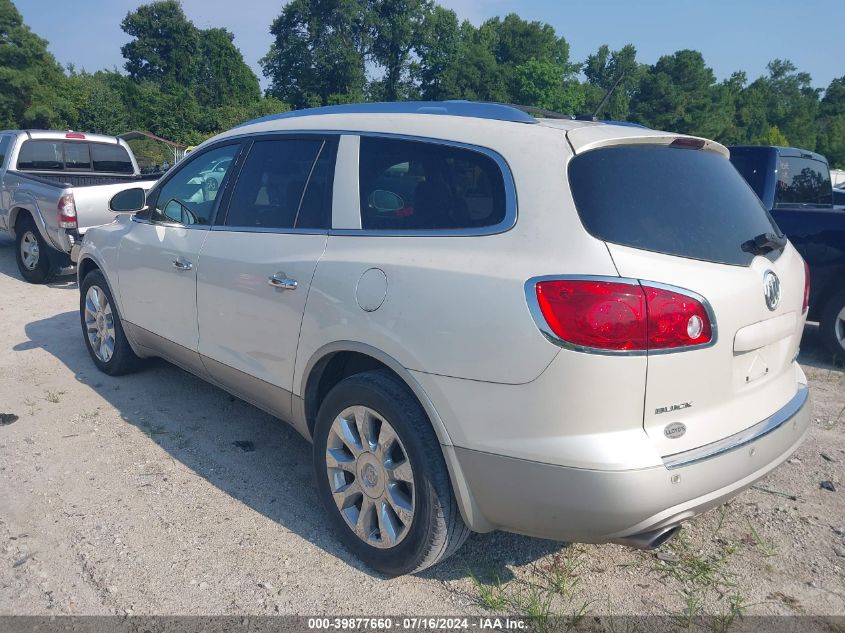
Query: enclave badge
x,y
675,430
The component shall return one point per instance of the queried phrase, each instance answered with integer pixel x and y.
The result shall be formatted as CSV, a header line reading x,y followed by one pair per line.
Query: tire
x,y
435,528
32,252
97,310
832,325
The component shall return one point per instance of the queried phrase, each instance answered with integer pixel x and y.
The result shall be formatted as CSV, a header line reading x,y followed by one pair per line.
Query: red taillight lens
x,y
601,314
675,319
806,287
622,316
67,212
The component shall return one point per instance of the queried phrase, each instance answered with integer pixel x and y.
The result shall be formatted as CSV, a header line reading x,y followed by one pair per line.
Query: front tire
x,y
832,325
32,253
102,329
382,478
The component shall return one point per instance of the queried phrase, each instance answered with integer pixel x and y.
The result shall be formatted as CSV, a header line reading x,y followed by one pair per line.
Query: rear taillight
x,y
806,288
67,212
620,316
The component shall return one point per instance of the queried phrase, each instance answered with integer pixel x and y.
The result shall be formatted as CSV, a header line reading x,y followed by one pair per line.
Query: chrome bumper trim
x,y
738,440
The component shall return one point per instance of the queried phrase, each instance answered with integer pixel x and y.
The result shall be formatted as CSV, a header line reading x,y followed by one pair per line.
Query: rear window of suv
x,y
678,201
43,155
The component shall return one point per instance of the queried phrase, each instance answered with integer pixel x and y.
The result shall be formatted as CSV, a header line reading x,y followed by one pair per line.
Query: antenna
x,y
603,102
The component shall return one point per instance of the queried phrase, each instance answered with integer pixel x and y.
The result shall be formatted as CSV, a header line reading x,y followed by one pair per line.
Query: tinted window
x,y
41,155
315,212
5,141
752,165
111,158
414,185
77,156
271,183
690,203
190,195
802,181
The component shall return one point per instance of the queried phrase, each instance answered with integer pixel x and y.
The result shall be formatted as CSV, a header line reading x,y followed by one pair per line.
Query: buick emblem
x,y
771,290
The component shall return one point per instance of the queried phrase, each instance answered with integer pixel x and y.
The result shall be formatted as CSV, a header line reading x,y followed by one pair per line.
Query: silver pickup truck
x,y
56,185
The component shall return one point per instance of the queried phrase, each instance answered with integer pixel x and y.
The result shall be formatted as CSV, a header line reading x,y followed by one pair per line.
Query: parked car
x,y
53,187
470,339
794,185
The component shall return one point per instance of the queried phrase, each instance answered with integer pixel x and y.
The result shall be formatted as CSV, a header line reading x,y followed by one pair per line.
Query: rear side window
x,y
272,182
684,202
111,158
802,181
416,185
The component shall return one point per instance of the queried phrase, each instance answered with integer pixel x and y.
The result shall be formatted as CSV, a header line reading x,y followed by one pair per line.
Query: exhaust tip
x,y
649,540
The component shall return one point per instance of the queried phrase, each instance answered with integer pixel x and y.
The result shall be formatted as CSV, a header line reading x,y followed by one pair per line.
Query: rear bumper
x,y
74,253
593,506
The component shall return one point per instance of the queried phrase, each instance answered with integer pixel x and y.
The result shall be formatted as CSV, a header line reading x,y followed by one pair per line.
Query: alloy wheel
x,y
839,328
99,323
370,477
30,251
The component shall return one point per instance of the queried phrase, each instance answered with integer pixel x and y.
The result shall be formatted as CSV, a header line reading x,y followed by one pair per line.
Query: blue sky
x,y
732,34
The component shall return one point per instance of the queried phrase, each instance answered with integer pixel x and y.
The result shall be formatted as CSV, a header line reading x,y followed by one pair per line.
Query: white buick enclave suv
x,y
482,320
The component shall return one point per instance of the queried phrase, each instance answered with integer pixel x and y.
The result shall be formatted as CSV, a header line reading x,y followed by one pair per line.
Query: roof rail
x,y
472,109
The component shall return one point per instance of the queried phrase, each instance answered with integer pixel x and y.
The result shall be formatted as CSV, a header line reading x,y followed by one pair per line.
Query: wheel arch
x,y
318,378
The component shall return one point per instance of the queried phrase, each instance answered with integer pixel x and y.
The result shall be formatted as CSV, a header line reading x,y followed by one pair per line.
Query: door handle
x,y
280,281
180,263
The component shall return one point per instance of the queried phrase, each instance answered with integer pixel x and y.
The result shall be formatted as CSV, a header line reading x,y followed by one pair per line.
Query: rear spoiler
x,y
589,137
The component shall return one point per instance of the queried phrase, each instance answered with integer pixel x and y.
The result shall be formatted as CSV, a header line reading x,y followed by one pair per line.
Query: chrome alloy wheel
x,y
99,323
370,477
30,251
839,328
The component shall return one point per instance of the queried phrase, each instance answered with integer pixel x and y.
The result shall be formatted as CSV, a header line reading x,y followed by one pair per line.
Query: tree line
x,y
186,84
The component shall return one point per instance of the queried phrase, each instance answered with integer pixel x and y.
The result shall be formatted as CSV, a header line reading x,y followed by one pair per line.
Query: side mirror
x,y
385,201
128,200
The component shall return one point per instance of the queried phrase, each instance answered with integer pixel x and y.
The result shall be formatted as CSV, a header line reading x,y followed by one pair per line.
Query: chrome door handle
x,y
180,263
282,283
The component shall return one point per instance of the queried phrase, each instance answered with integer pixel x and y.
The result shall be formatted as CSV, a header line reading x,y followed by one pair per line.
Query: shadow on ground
x,y
245,452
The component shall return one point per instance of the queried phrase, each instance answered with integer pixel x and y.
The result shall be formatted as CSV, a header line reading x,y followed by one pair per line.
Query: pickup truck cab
x,y
56,185
795,186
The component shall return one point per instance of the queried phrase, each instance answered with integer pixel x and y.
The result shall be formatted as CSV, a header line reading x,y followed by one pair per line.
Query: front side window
x,y
190,195
802,181
417,185
270,187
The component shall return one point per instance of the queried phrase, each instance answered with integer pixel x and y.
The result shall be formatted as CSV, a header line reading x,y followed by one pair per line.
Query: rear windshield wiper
x,y
764,243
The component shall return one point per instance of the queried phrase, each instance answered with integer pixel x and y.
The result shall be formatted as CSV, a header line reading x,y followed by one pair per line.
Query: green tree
x,y
679,94
99,104
602,70
539,83
318,52
31,80
165,48
223,79
437,53
792,103
396,29
831,123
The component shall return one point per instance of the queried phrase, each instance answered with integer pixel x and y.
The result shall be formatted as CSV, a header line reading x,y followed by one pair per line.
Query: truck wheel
x,y
102,329
832,325
32,253
382,477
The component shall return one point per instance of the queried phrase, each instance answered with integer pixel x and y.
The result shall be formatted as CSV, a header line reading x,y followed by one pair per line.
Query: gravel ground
x,y
130,496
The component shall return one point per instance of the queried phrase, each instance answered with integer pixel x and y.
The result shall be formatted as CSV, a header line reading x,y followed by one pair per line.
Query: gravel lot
x,y
130,496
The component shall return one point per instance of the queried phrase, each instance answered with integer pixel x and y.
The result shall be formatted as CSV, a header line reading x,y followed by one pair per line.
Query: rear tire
x,y
390,478
32,252
832,325
102,329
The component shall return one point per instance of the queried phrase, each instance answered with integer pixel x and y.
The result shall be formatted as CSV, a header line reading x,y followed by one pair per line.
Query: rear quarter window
x,y
684,202
420,186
